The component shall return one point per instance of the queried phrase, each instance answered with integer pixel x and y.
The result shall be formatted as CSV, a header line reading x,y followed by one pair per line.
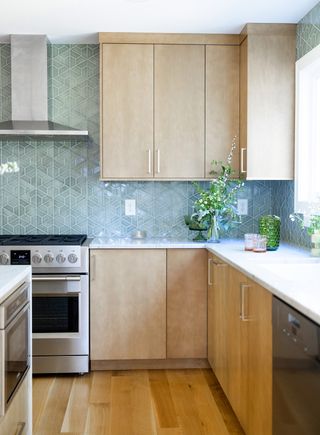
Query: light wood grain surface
x,y
128,304
157,402
186,303
259,405
267,100
127,111
179,111
168,38
217,318
222,104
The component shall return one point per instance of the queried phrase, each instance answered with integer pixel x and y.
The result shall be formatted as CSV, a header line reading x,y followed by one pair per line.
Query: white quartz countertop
x,y
289,273
10,277
128,243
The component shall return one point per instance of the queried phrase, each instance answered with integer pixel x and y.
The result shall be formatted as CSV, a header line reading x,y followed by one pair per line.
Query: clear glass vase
x,y
213,235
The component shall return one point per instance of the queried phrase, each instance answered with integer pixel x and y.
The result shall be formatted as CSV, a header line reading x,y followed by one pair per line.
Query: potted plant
x,y
216,206
313,229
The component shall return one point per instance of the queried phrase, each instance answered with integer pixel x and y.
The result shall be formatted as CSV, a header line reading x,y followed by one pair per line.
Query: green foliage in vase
x,y
220,199
313,226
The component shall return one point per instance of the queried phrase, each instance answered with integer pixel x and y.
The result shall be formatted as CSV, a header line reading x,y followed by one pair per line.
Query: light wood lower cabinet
x,y
240,344
259,360
128,304
186,303
148,304
217,303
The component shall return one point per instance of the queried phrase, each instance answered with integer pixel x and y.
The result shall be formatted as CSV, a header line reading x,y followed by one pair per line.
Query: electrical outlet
x,y
130,207
242,207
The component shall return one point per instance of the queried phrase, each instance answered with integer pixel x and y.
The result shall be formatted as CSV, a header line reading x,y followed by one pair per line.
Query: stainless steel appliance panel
x,y
15,351
296,372
59,300
60,364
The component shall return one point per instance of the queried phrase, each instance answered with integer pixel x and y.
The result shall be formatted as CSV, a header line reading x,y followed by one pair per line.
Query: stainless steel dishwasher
x,y
296,372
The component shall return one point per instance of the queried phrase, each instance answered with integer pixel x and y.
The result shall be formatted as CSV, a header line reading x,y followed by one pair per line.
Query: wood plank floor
x,y
140,402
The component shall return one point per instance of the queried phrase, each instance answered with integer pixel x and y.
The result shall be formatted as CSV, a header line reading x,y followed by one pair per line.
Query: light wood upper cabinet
x,y
222,104
128,304
267,74
127,111
179,111
186,303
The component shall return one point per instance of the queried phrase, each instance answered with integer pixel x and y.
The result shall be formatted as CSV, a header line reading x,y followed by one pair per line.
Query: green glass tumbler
x,y
269,226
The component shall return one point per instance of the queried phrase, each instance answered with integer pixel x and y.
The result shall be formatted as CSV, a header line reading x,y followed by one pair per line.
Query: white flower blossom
x,y
9,167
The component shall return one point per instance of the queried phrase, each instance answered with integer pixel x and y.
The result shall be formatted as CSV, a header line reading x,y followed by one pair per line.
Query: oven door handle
x,y
48,294
56,278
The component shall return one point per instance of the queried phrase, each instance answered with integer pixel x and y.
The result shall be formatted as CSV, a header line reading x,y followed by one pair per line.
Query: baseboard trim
x,y
156,364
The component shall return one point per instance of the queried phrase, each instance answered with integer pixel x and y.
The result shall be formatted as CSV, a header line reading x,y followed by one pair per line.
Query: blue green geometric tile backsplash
x,y
58,190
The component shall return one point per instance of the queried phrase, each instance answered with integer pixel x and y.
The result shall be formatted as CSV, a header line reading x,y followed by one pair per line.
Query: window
x,y
307,153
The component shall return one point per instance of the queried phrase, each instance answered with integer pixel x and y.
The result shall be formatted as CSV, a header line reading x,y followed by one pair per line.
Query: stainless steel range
x,y
60,298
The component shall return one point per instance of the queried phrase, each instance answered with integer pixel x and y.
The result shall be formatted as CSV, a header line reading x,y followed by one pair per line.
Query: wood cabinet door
x,y
128,304
259,376
217,318
179,111
186,303
126,111
237,345
222,104
267,77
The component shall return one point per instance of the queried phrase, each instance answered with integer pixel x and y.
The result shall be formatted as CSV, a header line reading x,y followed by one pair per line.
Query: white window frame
x,y
307,134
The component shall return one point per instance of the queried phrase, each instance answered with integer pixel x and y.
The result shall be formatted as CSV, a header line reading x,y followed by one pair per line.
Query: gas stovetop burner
x,y
40,239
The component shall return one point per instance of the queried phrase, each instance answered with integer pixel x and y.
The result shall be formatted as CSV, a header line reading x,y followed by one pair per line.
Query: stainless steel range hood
x,y
29,91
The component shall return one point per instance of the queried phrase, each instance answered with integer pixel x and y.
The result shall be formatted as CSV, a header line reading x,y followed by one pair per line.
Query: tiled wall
x,y
58,190
308,37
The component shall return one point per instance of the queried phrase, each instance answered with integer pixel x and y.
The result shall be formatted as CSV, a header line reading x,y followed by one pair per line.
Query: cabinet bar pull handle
x,y
243,294
219,264
158,161
149,161
209,271
242,161
20,428
93,267
56,278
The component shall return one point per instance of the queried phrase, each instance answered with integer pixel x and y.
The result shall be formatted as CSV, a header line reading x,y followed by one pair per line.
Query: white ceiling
x,y
78,21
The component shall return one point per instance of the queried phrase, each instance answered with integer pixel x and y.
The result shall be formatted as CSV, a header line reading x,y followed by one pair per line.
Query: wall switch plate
x,y
130,207
242,206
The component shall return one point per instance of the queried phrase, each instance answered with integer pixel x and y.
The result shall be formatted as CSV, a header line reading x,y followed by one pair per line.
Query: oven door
x,y
60,315
15,355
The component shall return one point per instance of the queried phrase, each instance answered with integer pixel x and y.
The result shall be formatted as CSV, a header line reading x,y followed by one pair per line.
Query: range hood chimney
x,y
29,91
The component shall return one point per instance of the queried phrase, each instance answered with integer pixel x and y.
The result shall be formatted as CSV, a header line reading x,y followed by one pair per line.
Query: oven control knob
x,y
72,258
4,258
48,258
36,258
61,258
